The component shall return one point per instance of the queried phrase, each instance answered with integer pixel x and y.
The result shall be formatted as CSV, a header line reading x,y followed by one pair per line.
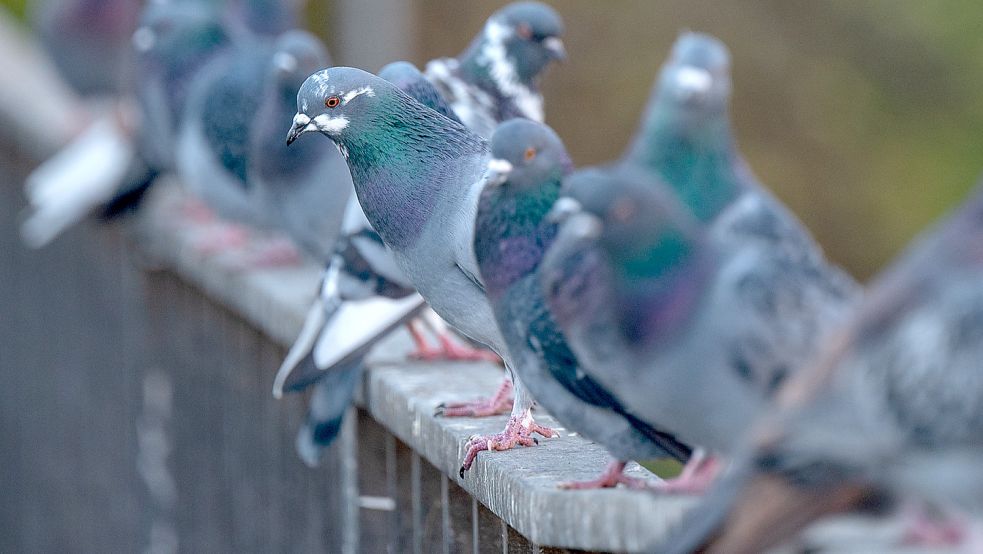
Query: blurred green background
x,y
864,117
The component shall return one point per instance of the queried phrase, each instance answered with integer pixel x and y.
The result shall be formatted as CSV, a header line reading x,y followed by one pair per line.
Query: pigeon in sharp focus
x,y
497,77
768,272
418,176
512,232
363,278
891,404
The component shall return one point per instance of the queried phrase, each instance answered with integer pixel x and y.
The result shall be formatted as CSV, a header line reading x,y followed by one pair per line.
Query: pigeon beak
x,y
563,209
693,82
555,47
498,171
583,225
302,124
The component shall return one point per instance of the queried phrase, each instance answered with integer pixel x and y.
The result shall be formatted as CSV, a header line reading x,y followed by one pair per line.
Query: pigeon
x,y
417,176
497,77
108,168
361,281
891,404
512,232
761,265
231,152
88,40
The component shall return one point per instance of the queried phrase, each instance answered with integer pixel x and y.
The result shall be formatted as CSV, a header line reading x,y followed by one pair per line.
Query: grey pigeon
x,y
418,176
892,404
497,77
512,232
88,40
700,356
361,281
108,168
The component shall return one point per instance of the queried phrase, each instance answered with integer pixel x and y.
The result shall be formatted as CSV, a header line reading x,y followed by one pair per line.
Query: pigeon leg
x,y
613,475
500,403
697,476
194,209
449,349
518,431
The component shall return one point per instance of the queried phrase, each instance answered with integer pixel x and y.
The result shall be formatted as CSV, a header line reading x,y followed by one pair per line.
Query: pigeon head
x,y
517,44
526,154
696,78
297,54
407,78
652,246
178,35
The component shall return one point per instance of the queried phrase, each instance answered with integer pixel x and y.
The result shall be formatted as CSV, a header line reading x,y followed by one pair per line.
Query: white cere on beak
x,y
301,120
498,165
285,62
585,226
498,171
693,81
144,39
329,125
562,209
555,45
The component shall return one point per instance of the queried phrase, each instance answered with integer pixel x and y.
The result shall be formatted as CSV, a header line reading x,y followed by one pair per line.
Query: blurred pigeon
x,y
106,166
511,234
497,77
892,404
231,152
764,268
418,176
88,40
410,80
307,186
330,400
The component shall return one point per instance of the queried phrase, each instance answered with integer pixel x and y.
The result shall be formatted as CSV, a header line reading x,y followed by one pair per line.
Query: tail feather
x,y
72,183
332,396
299,358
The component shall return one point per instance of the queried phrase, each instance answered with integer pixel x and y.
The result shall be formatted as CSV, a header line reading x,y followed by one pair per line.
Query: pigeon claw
x,y
518,432
500,403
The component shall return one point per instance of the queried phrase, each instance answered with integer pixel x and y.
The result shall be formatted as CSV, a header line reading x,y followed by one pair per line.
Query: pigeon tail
x,y
330,400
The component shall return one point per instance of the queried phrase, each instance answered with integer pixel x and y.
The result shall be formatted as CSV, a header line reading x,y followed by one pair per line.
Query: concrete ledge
x,y
520,485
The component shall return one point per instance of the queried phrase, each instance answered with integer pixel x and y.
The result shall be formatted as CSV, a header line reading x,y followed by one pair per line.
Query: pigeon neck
x,y
490,66
696,161
406,161
658,289
512,232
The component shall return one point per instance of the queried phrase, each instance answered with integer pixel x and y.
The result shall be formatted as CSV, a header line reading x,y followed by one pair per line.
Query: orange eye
x,y
332,101
524,31
529,154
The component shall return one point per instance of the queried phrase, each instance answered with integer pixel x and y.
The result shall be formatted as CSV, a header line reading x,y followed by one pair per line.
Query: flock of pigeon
x,y
662,305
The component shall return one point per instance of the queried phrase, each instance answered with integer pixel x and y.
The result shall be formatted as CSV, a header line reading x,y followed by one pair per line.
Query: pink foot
x,y
500,403
612,476
194,209
697,476
279,252
518,431
448,350
220,238
932,531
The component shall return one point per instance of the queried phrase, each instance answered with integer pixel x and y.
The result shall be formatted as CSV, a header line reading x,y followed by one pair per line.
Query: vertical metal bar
x,y
505,537
348,446
416,503
445,516
474,525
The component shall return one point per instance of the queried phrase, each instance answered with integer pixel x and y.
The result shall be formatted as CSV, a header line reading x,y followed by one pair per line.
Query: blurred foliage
x,y
17,7
865,117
